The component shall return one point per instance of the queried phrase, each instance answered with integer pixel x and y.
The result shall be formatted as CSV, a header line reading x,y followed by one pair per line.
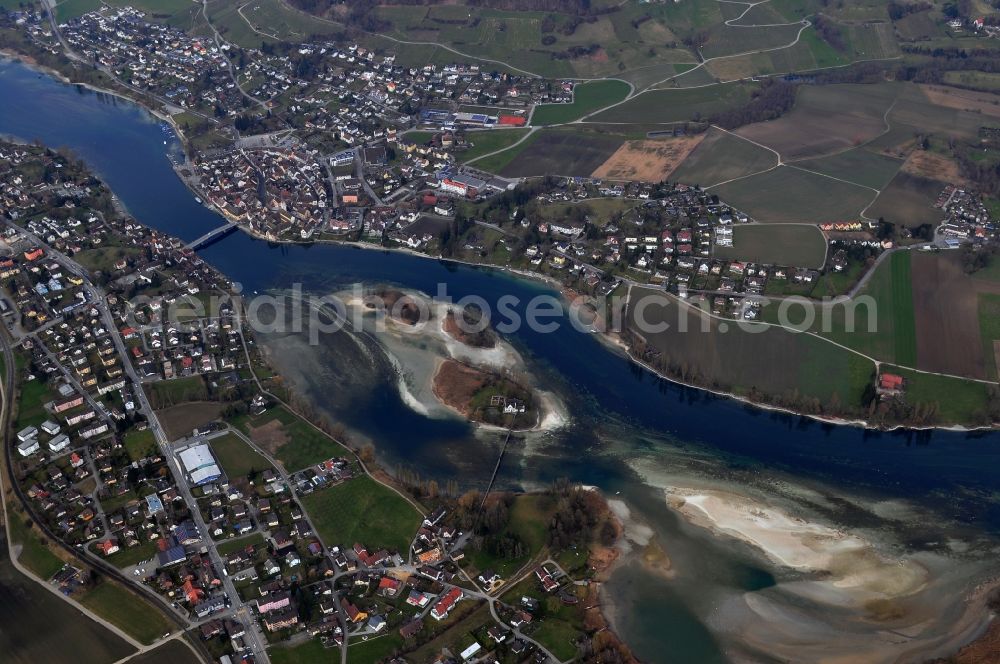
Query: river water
x,y
628,433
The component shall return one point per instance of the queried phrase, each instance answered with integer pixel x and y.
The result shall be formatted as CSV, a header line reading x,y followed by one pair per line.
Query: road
x,y
219,41
98,299
359,173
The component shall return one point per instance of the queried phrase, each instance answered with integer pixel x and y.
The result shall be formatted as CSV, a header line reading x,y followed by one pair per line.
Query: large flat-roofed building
x,y
199,464
464,184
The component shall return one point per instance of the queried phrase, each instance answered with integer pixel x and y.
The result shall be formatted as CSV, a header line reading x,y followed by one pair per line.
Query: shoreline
x,y
31,63
607,338
516,272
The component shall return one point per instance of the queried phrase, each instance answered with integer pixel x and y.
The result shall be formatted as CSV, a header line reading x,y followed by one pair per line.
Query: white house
x,y
28,447
59,443
27,433
50,427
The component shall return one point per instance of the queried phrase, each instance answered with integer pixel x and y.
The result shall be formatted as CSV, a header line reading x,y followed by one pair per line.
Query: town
x,y
116,328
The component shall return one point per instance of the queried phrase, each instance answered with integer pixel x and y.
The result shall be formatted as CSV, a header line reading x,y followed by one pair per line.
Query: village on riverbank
x,y
153,450
334,141
164,483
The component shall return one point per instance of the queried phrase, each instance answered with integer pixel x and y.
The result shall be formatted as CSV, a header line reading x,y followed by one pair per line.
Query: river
x,y
922,495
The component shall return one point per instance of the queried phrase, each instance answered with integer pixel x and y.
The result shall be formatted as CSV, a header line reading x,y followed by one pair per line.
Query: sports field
x,y
776,244
485,142
587,98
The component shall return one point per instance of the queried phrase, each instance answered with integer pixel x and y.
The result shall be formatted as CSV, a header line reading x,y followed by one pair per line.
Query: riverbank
x,y
34,65
619,413
529,274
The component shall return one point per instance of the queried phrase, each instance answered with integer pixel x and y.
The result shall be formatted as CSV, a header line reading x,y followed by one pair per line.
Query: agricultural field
x,y
957,401
587,98
980,80
362,510
544,43
934,166
861,42
183,14
723,156
826,120
308,652
288,438
677,104
559,152
775,362
485,142
949,306
32,397
920,26
649,160
133,615
103,258
67,10
989,332
138,444
778,244
170,652
726,40
375,650
164,393
236,457
529,519
181,420
34,555
69,636
790,195
943,111
264,21
878,322
981,103
496,163
908,200
233,545
859,165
